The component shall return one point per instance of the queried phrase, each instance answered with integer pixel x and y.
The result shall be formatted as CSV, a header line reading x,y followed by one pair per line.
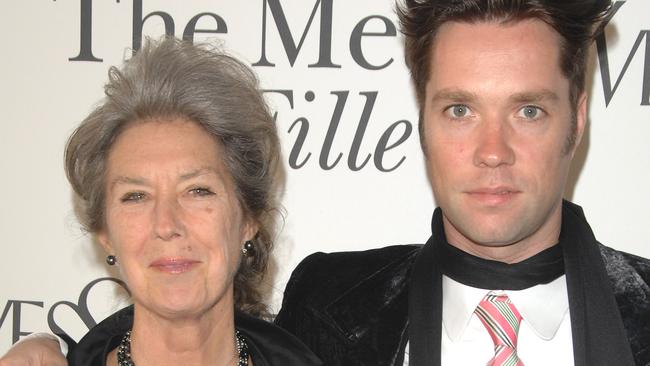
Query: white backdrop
x,y
48,84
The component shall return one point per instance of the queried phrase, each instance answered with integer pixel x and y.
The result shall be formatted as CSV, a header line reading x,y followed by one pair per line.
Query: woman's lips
x,y
173,265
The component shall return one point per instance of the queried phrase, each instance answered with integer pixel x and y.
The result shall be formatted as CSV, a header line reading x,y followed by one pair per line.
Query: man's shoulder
x,y
625,269
327,274
630,278
370,258
375,255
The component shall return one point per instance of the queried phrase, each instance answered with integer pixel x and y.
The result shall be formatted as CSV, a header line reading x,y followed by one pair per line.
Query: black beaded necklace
x,y
124,350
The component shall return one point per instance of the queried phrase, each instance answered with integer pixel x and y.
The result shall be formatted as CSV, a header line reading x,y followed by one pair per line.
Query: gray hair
x,y
169,79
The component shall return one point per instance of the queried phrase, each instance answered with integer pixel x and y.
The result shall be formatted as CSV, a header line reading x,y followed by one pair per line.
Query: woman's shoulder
x,y
93,348
270,345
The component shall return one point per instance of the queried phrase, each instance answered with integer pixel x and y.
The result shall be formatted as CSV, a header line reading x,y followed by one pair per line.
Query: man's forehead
x,y
496,55
492,34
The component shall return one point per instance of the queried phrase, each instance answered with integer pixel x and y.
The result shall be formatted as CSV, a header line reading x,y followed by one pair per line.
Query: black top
x,y
268,344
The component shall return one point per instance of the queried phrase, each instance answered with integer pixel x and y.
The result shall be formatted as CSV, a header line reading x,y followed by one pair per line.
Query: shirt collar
x,y
544,317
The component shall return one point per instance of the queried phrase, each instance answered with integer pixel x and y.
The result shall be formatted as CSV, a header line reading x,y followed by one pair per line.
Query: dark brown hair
x,y
170,79
576,21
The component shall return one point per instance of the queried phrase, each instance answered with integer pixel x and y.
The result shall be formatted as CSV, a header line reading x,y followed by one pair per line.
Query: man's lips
x,y
493,195
173,265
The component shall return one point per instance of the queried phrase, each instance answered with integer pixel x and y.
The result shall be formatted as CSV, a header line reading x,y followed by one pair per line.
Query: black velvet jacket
x,y
351,308
268,344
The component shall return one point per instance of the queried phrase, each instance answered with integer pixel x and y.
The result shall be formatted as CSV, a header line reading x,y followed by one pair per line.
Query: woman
x,y
176,171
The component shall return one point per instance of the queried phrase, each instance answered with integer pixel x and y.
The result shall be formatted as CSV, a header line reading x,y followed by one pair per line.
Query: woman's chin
x,y
184,303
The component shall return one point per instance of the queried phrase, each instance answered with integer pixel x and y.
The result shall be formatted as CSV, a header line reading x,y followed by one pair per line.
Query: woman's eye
x,y
458,111
530,112
133,197
201,191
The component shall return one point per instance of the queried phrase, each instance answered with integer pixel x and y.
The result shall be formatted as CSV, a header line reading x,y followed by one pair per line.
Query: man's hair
x,y
576,21
170,79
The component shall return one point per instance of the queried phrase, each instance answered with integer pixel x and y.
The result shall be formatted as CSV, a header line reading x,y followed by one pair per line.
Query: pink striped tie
x,y
501,319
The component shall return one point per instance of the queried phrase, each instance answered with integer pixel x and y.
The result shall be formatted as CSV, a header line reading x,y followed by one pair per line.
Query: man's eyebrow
x,y
535,96
462,96
454,95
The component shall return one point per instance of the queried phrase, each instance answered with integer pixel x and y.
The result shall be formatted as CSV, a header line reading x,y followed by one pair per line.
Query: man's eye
x,y
133,197
201,191
530,112
458,111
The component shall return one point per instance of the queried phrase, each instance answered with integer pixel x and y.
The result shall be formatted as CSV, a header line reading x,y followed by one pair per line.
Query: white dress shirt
x,y
544,334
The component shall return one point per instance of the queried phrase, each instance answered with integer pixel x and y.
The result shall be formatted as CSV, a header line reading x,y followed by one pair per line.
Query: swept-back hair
x,y
576,21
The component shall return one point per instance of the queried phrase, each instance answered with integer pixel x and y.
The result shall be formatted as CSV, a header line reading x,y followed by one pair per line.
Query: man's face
x,y
497,116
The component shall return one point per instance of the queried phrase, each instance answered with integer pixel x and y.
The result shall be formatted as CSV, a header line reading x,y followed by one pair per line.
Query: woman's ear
x,y
250,229
102,237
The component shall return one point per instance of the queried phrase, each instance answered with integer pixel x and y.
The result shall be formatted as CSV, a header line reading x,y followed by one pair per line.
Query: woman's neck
x,y
208,339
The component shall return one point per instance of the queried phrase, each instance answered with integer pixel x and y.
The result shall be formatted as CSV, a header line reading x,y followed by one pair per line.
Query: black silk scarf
x,y
599,338
469,270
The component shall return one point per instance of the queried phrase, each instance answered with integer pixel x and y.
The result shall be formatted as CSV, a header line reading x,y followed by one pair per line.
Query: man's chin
x,y
494,240
491,232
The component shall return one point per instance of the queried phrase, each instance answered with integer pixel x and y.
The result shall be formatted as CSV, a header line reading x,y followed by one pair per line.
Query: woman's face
x,y
173,219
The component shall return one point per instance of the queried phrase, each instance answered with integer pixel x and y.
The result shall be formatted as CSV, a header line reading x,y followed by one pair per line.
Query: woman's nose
x,y
167,222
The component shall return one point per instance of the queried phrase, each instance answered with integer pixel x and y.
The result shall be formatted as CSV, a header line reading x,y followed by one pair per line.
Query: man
x,y
500,86
512,274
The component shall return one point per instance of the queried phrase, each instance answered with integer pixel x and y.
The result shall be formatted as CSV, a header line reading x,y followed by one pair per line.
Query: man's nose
x,y
494,145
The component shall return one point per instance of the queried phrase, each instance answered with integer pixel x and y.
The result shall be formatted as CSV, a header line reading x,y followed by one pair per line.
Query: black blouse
x,y
268,344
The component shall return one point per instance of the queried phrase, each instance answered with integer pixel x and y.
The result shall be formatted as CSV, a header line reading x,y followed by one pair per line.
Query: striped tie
x,y
501,319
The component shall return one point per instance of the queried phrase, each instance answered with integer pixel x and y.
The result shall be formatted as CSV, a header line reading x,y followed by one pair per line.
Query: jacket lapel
x,y
372,315
596,325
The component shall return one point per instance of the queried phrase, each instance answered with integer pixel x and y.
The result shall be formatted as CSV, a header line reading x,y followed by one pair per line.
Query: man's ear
x,y
581,121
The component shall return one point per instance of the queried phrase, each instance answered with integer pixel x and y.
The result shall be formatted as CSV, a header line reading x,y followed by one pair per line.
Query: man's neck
x,y
515,251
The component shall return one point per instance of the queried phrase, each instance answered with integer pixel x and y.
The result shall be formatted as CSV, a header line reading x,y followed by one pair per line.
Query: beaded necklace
x,y
124,350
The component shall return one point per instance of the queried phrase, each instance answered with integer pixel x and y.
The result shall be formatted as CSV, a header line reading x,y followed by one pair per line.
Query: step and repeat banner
x,y
334,74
